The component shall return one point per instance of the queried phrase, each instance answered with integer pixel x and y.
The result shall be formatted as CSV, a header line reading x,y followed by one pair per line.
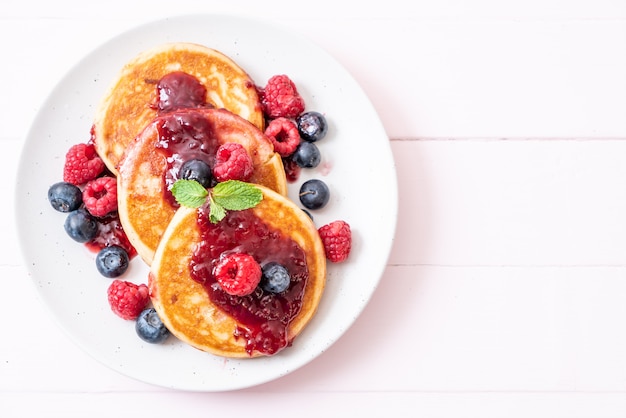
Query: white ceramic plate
x,y
358,167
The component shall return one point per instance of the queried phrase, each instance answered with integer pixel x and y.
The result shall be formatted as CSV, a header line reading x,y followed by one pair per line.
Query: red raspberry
x,y
82,164
238,274
337,239
127,299
232,162
284,135
280,98
100,196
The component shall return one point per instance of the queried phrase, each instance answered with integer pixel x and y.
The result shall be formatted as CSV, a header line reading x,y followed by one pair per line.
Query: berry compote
x,y
183,136
179,90
263,316
110,232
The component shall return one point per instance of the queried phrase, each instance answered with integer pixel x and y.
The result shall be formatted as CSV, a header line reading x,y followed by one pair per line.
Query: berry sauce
x,y
263,316
184,136
179,90
292,170
110,232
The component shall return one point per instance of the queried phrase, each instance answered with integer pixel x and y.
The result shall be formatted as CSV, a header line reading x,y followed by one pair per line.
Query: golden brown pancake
x,y
191,309
145,204
129,105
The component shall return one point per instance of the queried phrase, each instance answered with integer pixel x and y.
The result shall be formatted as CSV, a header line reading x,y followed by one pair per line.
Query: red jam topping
x,y
263,316
184,136
292,170
179,90
110,232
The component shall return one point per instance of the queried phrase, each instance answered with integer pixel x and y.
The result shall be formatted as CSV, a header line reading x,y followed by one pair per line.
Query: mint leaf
x,y
236,195
216,211
189,193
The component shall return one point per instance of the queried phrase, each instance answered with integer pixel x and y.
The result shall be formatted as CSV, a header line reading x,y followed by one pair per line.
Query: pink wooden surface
x,y
505,291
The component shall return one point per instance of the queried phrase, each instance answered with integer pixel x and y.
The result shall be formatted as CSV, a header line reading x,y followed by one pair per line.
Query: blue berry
x,y
197,170
314,194
112,261
150,328
307,155
65,197
81,226
312,126
275,277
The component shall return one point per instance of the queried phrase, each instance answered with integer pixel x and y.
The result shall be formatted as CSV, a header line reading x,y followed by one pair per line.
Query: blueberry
x,y
307,155
312,126
112,261
150,328
314,194
275,277
65,197
81,226
197,170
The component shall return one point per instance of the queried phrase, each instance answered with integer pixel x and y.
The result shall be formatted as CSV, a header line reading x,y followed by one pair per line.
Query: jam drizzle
x,y
184,136
110,232
263,316
179,90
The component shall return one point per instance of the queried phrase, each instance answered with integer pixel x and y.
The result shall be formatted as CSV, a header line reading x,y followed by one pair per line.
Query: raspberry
x,y
232,162
337,239
127,299
280,98
284,135
82,164
100,196
238,274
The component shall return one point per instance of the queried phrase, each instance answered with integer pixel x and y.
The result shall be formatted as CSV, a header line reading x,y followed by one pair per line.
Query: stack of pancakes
x,y
127,135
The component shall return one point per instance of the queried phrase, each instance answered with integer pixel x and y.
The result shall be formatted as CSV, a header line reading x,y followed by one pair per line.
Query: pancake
x,y
149,167
131,101
191,308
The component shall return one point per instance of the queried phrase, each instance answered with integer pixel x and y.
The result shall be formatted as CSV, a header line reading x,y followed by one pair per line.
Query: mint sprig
x,y
225,196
